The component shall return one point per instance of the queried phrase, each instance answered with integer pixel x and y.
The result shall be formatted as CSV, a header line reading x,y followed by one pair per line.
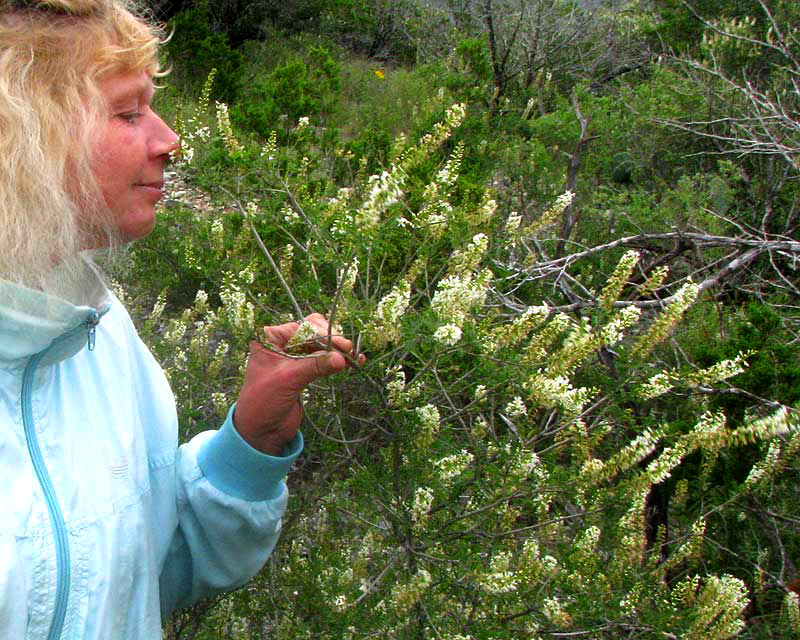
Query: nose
x,y
164,140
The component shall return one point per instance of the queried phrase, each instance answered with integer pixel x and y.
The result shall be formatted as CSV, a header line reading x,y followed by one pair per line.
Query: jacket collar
x,y
32,321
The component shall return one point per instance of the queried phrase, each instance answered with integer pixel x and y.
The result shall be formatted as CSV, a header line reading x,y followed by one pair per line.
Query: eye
x,y
131,117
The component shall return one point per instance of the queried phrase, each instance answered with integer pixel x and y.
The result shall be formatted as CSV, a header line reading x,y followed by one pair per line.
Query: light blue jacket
x,y
106,525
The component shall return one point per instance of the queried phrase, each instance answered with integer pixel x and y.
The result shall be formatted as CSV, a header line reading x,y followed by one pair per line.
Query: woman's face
x,y
130,153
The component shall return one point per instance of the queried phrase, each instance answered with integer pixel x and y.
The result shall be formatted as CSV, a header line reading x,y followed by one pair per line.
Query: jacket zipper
x,y
53,508
91,325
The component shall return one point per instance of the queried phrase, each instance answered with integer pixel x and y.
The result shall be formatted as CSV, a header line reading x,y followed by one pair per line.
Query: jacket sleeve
x,y
230,500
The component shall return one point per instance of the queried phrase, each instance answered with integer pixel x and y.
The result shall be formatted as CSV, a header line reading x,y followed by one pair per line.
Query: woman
x,y
108,526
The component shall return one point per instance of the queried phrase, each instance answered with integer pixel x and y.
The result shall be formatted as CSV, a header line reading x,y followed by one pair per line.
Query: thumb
x,y
325,363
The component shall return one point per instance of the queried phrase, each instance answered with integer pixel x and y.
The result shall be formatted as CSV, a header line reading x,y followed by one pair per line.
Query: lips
x,y
153,189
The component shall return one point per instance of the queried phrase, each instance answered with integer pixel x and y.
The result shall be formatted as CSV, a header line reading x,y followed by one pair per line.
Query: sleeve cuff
x,y
236,468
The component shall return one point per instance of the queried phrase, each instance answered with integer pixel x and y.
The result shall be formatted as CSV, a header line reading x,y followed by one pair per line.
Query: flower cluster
x,y
622,273
453,118
735,33
524,463
468,258
541,342
205,93
579,343
654,281
551,215
220,403
480,427
447,175
239,311
512,223
532,566
515,331
251,210
779,423
516,408
661,468
447,334
396,385
232,144
176,329
499,578
390,309
666,321
429,420
587,541
484,214
436,212
384,190
452,466
763,469
631,600
305,333
158,308
405,596
557,391
661,383
217,235
423,499
219,358
270,150
553,609
455,295
632,543
792,604
691,547
285,261
632,454
718,609
190,130
289,215
614,330
347,278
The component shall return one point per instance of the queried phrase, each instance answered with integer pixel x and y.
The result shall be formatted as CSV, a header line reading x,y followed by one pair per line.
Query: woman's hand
x,y
268,412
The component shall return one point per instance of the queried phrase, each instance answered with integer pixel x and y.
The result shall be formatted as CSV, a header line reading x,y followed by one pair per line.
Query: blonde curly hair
x,y
53,54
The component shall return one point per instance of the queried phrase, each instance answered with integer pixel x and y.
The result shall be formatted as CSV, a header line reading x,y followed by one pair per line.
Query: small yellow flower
x,y
380,74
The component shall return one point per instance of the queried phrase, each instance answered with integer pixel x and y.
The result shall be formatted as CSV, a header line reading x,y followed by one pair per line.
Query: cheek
x,y
114,151
110,173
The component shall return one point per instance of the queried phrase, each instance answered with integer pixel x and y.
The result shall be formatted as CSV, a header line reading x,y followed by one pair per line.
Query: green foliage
x,y
474,54
467,467
508,464
195,49
773,370
681,25
295,89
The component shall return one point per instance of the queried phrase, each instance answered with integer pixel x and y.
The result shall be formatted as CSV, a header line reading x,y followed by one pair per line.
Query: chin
x,y
137,227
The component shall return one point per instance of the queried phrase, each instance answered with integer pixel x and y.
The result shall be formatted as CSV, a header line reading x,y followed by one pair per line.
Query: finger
x,y
319,323
322,328
339,343
306,370
279,335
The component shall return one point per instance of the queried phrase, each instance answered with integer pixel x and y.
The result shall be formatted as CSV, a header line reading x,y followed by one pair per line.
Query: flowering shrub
x,y
482,476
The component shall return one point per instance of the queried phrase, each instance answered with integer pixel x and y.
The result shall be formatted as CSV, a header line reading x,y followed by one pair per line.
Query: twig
x,y
298,311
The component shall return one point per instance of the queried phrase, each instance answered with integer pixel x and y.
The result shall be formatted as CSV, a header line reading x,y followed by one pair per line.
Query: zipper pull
x,y
91,324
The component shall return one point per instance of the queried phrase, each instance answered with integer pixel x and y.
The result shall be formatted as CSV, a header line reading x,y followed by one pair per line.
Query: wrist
x,y
234,467
272,442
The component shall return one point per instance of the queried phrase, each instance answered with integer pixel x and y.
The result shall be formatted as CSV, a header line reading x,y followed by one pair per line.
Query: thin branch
x,y
298,311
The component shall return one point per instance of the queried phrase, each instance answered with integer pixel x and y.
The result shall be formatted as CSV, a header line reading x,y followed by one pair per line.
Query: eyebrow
x,y
130,93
